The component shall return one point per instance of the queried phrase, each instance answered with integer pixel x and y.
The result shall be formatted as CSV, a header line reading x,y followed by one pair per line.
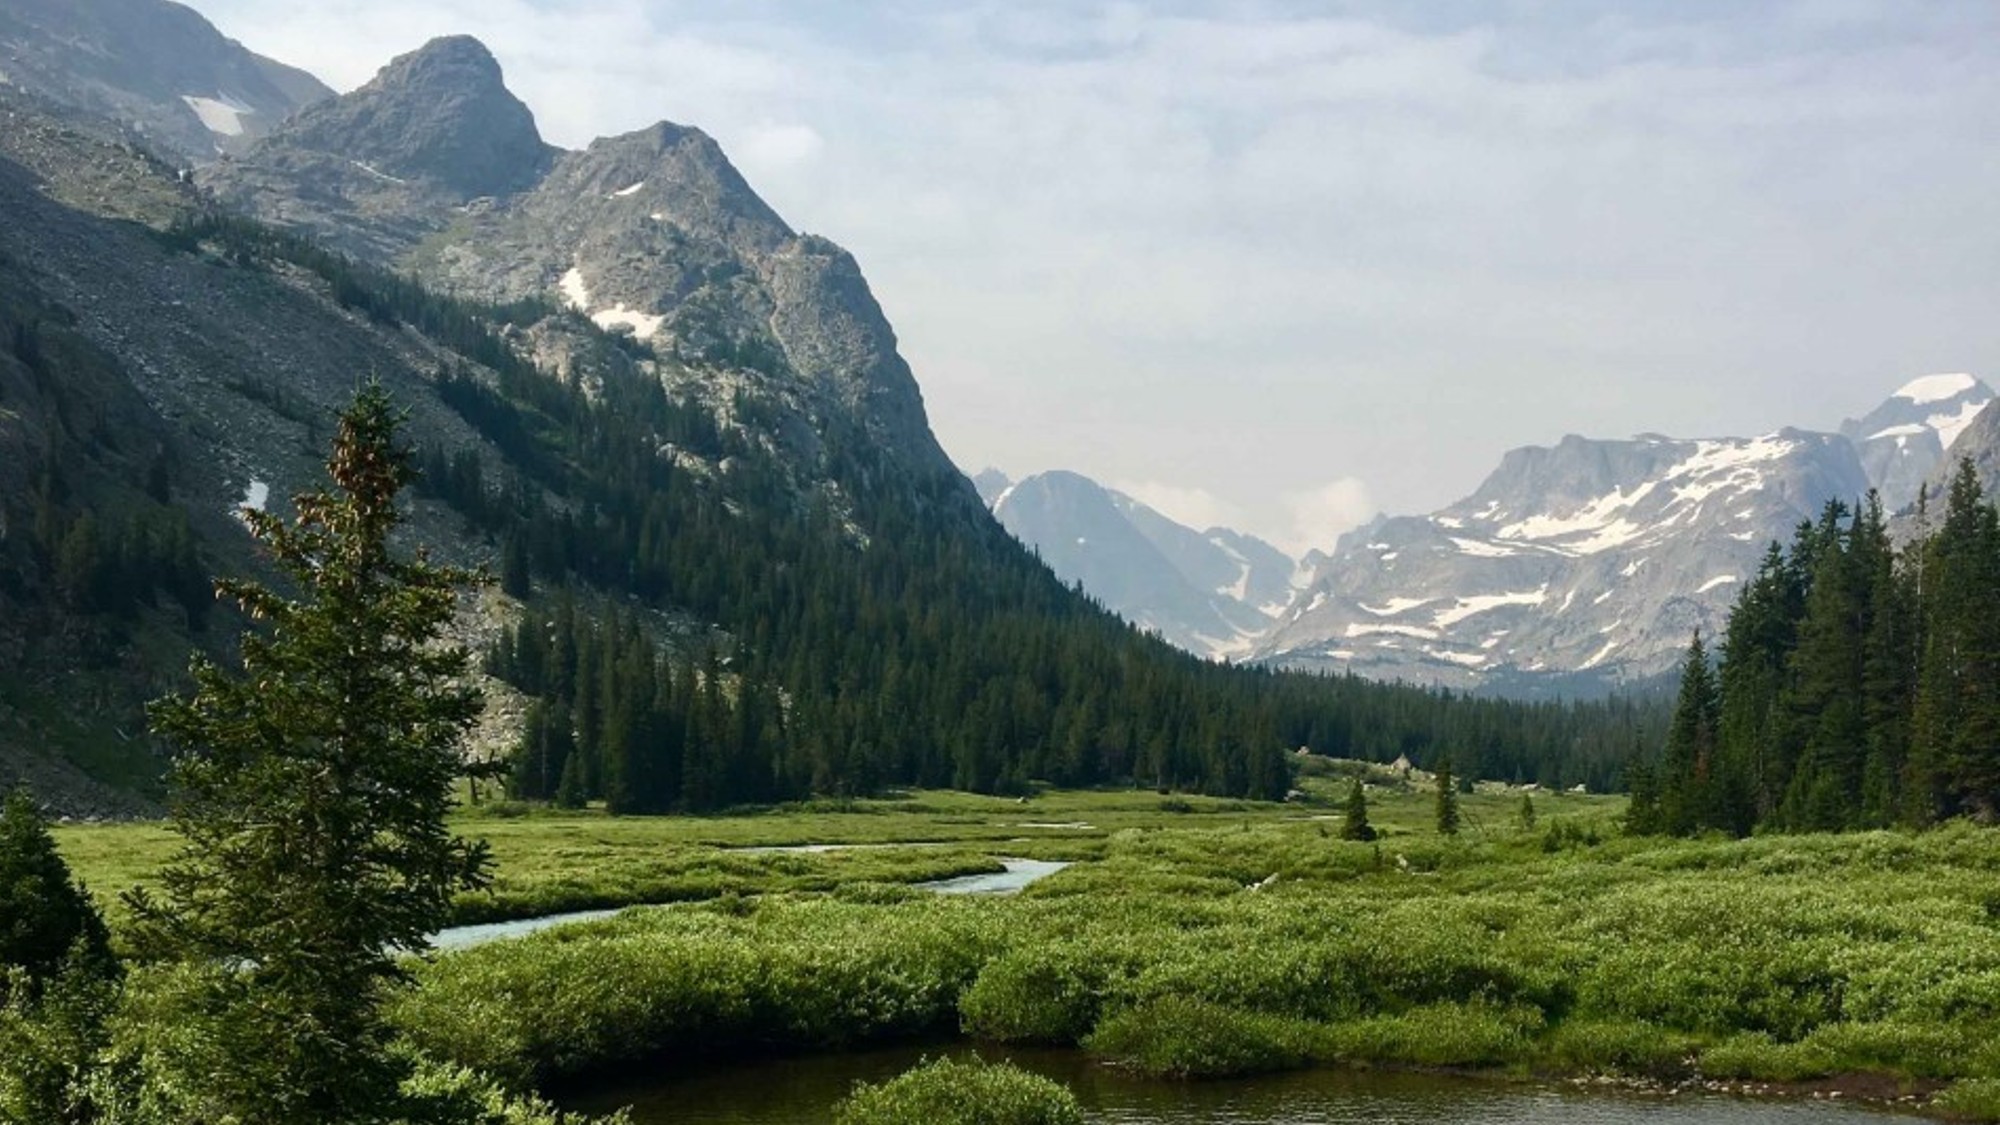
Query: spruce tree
x,y
1686,785
1757,645
1642,812
1447,801
311,789
1356,826
58,978
45,914
1955,747
1824,694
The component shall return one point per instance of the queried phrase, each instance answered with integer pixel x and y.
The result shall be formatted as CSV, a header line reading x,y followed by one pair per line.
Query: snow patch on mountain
x,y
576,294
1480,603
1953,423
1935,388
1588,556
222,116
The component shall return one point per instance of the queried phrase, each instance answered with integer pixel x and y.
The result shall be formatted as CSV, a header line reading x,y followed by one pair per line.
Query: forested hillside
x,y
1858,683
716,605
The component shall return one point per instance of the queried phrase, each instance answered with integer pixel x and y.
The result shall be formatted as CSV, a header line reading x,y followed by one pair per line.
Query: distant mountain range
x,y
1574,568
1210,592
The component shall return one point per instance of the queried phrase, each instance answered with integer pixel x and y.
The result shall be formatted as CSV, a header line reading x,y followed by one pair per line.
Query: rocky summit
x,y
441,114
435,169
1903,441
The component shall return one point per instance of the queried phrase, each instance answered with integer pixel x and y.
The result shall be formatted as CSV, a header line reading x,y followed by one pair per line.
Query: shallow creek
x,y
1019,873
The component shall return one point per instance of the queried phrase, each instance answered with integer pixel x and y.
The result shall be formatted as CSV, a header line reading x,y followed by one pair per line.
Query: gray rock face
x,y
377,171
1902,442
441,114
1206,592
1596,557
155,66
653,232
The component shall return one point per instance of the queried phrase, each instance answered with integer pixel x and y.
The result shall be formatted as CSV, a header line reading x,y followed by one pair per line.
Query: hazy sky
x,y
1284,265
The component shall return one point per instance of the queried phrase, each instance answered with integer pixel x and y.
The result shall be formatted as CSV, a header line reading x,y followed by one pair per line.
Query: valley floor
x,y
1193,936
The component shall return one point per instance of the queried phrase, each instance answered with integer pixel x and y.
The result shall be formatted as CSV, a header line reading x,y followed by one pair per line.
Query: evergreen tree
x,y
1527,813
1642,812
1824,694
1355,825
1956,726
1687,790
311,790
1756,649
1447,801
1888,669
514,567
58,978
45,915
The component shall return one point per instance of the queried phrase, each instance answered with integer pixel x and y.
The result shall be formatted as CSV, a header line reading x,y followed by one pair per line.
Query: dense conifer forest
x,y
1857,684
873,626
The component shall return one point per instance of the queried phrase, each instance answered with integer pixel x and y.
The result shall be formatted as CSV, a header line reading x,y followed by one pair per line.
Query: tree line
x,y
890,631
1857,683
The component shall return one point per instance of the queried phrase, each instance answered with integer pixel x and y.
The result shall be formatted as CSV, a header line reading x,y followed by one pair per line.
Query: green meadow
x,y
1193,937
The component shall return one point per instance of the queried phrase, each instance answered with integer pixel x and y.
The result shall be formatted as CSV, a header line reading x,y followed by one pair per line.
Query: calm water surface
x,y
804,1091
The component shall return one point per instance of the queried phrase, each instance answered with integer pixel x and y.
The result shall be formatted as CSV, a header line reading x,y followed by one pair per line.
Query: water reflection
x,y
804,1090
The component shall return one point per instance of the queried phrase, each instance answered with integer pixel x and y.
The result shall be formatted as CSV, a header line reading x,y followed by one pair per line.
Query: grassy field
x,y
1194,937
548,861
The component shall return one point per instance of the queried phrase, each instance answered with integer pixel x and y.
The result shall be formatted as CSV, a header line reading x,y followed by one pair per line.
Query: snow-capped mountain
x,y
1592,557
1902,441
1590,563
1209,592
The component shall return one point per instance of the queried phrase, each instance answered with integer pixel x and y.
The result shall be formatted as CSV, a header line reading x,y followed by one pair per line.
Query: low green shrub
x,y
1916,1050
1755,1055
789,975
1972,1099
1612,1046
944,1092
454,1093
1434,1035
1179,1037
1035,995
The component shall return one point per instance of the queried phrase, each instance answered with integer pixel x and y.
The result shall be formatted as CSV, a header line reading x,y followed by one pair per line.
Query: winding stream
x,y
1019,873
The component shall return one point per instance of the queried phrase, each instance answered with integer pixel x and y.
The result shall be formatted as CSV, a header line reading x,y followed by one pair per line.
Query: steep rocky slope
x,y
156,66
653,233
149,382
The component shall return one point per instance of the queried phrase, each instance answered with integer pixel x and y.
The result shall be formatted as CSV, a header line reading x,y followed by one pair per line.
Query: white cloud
x,y
1320,515
775,149
1251,236
1197,508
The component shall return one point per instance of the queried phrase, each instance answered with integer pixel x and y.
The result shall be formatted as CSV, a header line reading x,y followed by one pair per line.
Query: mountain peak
x,y
1913,430
442,114
449,51
1937,388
